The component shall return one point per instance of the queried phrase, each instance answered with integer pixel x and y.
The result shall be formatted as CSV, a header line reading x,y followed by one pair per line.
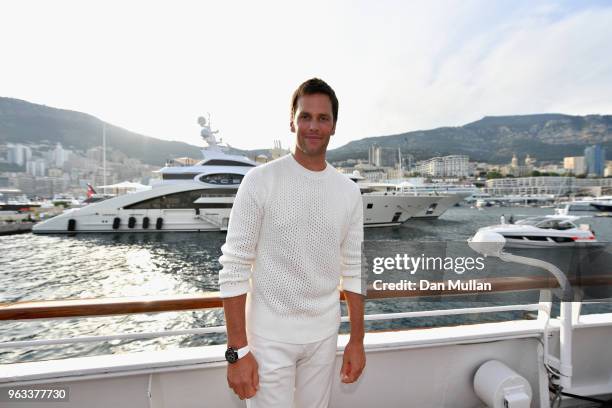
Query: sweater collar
x,y
306,172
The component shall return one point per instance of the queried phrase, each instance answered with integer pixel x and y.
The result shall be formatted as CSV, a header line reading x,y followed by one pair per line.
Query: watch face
x,y
231,355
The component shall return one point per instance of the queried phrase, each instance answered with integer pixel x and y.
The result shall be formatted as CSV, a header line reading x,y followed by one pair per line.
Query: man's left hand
x,y
353,362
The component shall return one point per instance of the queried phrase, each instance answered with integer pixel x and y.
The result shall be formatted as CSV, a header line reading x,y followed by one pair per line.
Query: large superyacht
x,y
200,197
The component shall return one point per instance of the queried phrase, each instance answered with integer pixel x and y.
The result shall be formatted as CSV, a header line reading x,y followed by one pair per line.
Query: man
x,y
294,236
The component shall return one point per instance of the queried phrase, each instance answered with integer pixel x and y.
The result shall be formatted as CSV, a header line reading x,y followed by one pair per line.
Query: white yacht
x,y
384,205
188,198
601,203
448,195
478,196
200,197
576,205
544,231
419,185
482,203
19,203
433,204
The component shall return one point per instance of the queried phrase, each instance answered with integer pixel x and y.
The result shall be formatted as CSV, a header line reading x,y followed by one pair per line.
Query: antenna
x,y
206,132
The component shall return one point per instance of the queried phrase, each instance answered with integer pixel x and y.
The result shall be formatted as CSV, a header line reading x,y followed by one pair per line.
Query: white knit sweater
x,y
294,235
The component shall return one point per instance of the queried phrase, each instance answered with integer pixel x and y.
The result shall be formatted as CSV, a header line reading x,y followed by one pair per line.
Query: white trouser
x,y
298,375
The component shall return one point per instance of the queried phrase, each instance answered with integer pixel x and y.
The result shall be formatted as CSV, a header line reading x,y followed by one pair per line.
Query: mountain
x,y
494,139
25,122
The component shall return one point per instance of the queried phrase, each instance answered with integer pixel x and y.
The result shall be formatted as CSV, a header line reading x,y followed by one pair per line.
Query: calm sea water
x,y
47,267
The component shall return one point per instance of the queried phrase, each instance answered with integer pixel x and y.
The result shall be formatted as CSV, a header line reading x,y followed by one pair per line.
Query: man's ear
x,y
333,132
292,126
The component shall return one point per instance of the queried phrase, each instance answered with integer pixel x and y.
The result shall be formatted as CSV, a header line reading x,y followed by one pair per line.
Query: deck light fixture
x,y
489,243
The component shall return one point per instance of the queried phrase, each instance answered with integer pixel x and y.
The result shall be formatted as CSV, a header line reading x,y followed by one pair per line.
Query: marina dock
x,y
15,228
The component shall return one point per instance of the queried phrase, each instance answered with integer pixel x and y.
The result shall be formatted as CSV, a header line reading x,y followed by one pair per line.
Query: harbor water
x,y
49,267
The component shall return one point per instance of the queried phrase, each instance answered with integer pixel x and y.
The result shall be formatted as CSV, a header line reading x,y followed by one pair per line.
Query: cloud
x,y
154,67
536,63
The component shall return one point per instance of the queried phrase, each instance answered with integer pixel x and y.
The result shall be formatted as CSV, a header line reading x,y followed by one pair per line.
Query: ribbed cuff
x,y
353,284
231,289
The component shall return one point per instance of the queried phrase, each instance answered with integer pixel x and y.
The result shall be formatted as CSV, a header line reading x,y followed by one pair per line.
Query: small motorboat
x,y
603,206
545,231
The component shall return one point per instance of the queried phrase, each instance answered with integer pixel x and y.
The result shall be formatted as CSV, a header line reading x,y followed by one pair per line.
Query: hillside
x,y
494,139
25,122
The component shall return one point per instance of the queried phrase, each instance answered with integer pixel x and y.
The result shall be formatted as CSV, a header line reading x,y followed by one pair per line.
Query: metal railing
x,y
70,308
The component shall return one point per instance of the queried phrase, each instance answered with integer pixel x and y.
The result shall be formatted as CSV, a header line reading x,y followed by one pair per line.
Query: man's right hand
x,y
242,376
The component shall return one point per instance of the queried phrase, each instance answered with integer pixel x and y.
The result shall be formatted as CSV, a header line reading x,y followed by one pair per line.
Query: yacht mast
x,y
400,164
104,155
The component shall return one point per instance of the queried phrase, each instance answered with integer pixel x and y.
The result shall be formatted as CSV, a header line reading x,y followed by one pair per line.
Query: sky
x,y
153,67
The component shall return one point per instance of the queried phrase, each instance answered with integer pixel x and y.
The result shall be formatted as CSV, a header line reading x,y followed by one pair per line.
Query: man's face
x,y
313,123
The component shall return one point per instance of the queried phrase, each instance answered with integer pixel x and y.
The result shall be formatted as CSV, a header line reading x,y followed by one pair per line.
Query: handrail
x,y
222,329
150,304
107,306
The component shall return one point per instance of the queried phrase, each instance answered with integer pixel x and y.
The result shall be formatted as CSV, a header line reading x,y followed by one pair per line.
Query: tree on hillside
x,y
494,175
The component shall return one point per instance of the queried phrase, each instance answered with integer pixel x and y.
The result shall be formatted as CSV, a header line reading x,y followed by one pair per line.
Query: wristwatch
x,y
232,355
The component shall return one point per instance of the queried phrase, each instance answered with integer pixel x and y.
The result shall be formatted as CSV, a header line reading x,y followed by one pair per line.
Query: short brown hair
x,y
315,86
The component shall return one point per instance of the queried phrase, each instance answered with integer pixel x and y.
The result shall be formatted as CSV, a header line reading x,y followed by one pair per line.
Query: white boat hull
x,y
173,220
522,243
418,368
379,211
524,235
438,206
385,210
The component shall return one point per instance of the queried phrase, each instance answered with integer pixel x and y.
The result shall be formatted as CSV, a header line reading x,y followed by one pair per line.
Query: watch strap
x,y
243,351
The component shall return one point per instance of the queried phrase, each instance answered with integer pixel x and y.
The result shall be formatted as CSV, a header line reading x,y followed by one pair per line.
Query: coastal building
x,y
278,151
10,193
552,168
408,161
95,154
515,169
383,156
36,168
595,159
575,165
60,155
18,154
447,166
530,161
548,185
395,173
608,170
25,183
54,172
371,172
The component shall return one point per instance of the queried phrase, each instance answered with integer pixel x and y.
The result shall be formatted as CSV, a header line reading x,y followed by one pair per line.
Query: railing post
x,y
545,302
576,308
